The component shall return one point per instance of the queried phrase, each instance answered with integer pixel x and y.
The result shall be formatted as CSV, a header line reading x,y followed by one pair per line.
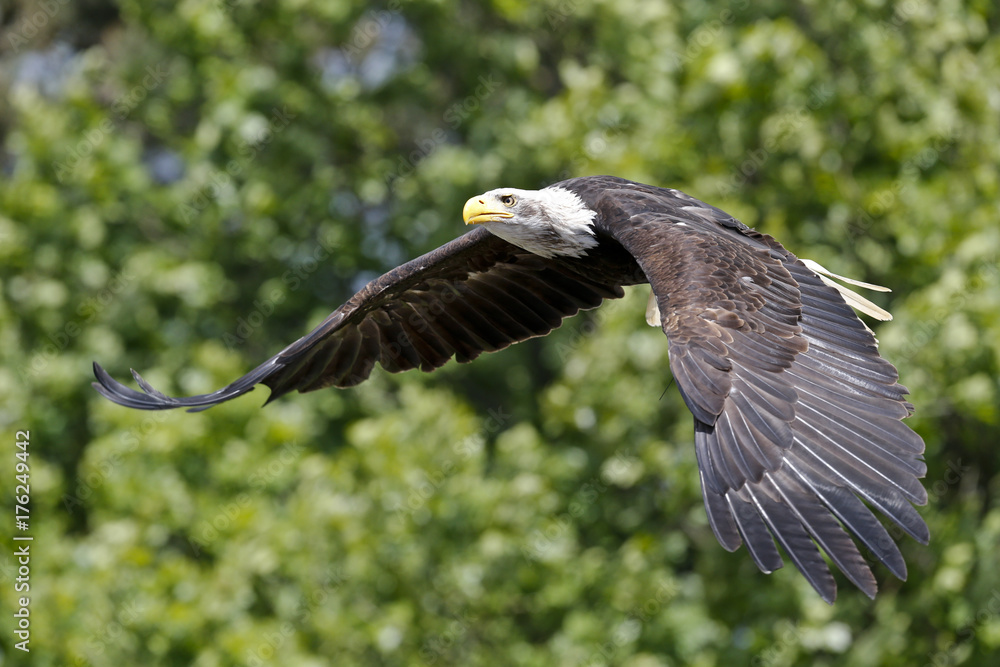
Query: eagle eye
x,y
508,200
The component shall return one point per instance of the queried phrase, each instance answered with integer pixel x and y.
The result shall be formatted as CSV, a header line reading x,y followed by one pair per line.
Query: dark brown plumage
x,y
797,417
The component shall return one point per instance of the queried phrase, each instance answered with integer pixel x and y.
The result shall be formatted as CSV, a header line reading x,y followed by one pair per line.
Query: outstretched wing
x,y
475,294
797,417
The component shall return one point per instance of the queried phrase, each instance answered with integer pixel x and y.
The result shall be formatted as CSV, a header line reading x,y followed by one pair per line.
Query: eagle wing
x,y
797,417
475,294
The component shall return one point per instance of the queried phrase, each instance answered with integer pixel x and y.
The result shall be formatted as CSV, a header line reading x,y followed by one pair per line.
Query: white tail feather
x,y
815,266
652,311
852,298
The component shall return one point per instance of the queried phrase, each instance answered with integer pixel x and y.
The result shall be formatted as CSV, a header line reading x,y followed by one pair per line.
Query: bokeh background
x,y
189,186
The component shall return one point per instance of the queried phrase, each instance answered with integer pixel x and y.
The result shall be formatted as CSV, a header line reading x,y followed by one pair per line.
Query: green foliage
x,y
187,187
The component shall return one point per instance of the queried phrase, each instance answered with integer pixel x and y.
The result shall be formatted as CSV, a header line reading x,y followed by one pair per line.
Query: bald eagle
x,y
797,419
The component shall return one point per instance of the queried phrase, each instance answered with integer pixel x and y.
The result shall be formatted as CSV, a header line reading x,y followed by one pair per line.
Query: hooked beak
x,y
478,211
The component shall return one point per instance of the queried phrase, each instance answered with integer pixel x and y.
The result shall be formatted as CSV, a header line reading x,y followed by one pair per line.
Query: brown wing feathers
x,y
796,415
476,294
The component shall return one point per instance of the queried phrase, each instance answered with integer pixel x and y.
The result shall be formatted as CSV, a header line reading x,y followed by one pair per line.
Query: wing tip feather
x,y
152,399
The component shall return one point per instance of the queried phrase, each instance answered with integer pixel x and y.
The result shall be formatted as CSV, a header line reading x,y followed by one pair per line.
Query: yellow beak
x,y
477,211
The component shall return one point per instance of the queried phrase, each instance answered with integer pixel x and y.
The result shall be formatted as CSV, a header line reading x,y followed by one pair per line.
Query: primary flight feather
x,y
798,420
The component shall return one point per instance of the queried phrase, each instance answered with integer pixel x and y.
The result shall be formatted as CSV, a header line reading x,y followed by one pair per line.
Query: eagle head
x,y
550,222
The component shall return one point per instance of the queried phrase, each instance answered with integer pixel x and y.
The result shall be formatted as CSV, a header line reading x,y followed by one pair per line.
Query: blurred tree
x,y
189,186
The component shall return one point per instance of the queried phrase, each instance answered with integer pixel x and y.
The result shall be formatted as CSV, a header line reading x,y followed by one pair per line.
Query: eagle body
x,y
798,419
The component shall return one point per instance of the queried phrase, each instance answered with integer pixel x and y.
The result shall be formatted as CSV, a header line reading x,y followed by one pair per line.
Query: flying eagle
x,y
797,418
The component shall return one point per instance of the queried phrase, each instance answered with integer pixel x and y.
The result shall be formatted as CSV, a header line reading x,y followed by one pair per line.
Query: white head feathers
x,y
548,222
